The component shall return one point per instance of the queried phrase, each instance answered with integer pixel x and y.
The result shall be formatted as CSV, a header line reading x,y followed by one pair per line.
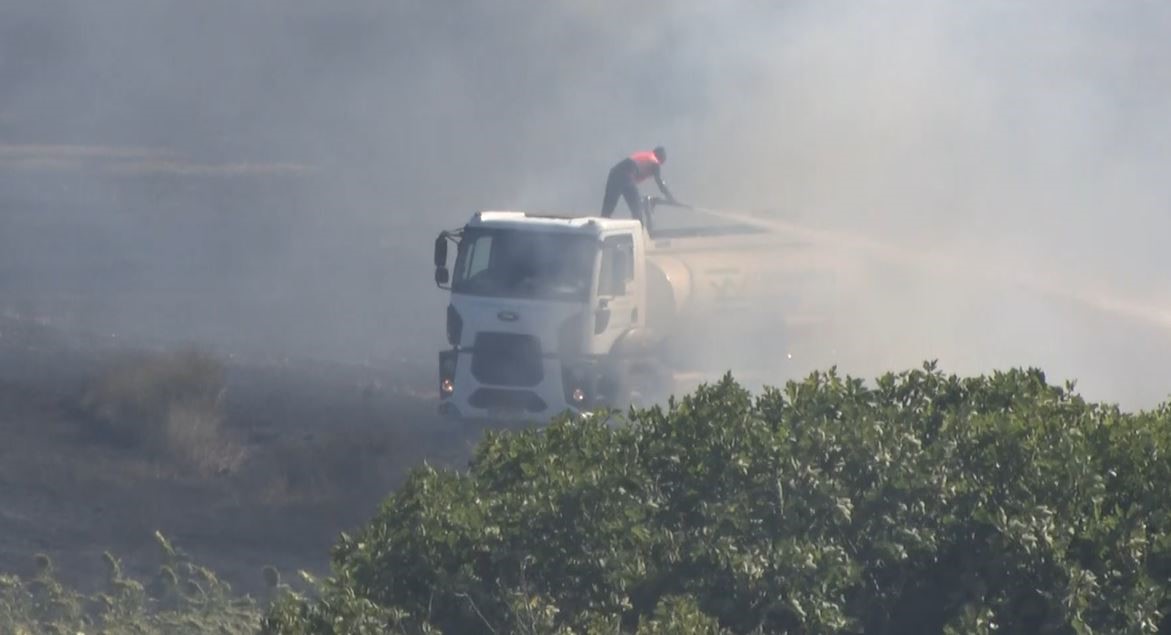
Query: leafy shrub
x,y
924,504
170,405
184,598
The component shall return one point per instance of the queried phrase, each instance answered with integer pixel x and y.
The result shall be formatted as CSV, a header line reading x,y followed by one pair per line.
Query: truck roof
x,y
734,235
550,222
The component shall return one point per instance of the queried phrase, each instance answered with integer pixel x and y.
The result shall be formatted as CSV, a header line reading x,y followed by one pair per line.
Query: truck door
x,y
617,308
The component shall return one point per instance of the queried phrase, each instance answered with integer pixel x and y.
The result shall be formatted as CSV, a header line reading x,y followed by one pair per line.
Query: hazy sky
x,y
271,174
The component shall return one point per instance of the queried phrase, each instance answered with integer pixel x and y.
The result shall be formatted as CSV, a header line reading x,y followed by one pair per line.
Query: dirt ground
x,y
317,445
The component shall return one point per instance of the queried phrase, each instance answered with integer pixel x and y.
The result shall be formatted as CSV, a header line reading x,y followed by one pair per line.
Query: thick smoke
x,y
268,176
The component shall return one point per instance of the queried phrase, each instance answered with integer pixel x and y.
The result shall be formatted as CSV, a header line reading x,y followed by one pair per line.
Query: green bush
x,y
923,504
184,598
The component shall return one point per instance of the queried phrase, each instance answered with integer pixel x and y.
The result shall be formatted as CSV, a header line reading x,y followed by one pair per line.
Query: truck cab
x,y
538,304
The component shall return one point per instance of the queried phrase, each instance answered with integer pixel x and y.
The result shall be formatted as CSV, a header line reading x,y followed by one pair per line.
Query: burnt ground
x,y
316,446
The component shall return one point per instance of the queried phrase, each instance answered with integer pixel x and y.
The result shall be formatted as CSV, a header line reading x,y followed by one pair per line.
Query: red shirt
x,y
646,164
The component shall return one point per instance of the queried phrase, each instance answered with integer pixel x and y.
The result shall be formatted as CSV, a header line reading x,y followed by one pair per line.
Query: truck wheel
x,y
611,389
646,384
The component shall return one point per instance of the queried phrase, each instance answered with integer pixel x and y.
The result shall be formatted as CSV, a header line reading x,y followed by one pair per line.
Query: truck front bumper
x,y
564,388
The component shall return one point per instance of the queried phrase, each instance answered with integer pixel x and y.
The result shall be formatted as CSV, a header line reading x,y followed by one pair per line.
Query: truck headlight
x,y
447,363
578,384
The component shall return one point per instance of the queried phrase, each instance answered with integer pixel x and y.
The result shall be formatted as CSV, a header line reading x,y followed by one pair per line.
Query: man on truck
x,y
627,174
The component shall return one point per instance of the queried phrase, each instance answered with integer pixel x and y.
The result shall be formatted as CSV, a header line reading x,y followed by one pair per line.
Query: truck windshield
x,y
525,264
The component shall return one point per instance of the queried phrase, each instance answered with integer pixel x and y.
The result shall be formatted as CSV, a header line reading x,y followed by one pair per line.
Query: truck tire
x,y
639,383
649,382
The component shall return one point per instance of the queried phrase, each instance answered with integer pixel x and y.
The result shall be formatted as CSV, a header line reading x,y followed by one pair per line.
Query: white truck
x,y
549,314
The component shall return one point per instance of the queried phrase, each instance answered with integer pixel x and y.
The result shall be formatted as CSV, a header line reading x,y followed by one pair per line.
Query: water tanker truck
x,y
548,313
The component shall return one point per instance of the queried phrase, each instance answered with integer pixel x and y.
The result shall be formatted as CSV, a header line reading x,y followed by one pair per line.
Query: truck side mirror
x,y
441,275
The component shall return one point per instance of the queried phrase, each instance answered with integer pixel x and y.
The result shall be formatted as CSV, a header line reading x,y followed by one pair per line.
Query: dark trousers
x,y
621,183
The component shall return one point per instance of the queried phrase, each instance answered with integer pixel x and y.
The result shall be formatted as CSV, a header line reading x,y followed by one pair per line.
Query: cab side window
x,y
617,266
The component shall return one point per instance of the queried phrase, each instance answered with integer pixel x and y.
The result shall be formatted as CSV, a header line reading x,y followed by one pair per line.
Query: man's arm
x,y
663,188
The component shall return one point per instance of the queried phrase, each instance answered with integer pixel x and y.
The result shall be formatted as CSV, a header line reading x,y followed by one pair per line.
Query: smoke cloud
x,y
268,176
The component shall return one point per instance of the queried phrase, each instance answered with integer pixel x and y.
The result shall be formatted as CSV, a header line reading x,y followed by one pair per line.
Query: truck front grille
x,y
507,359
501,399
